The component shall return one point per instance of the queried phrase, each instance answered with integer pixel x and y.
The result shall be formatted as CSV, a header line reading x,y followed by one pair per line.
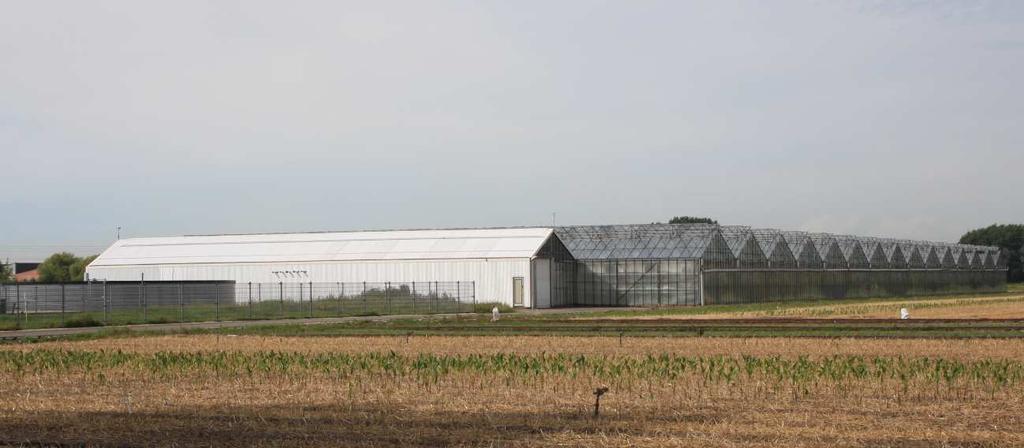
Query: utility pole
x,y
118,233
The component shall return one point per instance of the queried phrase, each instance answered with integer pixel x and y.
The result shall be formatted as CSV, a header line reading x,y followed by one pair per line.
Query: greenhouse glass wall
x,y
701,264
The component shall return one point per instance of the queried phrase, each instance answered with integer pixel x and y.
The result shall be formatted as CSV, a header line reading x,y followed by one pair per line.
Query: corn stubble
x,y
75,394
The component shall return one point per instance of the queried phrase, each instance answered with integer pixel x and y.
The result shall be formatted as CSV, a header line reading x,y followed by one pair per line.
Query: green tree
x,y
57,268
1009,237
77,269
6,274
691,220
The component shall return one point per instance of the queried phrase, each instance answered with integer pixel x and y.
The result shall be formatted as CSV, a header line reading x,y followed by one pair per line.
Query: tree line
x,y
1009,237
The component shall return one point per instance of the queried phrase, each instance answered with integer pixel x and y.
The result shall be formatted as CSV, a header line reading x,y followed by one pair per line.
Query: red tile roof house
x,y
27,276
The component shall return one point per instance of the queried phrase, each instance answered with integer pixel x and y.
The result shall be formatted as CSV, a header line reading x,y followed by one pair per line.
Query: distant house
x,y
27,276
26,272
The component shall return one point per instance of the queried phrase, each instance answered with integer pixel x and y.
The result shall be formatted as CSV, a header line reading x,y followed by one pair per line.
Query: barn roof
x,y
328,246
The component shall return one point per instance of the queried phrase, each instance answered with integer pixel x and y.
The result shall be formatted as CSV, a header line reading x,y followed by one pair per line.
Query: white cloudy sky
x,y
883,118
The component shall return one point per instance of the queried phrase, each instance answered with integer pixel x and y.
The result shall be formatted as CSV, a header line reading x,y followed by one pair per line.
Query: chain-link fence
x,y
85,304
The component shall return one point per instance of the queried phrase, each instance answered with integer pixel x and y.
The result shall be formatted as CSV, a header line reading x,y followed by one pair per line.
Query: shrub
x,y
485,308
86,321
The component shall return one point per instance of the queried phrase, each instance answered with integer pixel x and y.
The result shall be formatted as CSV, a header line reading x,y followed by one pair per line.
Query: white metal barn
x,y
505,264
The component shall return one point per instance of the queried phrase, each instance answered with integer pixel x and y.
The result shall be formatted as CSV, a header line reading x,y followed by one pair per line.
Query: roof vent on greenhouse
x,y
930,254
893,253
829,251
744,247
803,249
877,258
912,254
853,252
945,254
961,256
775,248
977,257
993,258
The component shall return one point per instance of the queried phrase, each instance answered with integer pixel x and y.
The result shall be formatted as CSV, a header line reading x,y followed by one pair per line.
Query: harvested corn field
x,y
523,391
965,349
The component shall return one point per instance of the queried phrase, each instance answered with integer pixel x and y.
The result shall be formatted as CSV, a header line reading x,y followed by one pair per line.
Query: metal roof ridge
x,y
315,232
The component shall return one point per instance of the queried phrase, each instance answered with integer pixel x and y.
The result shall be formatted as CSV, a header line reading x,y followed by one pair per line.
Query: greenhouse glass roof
x,y
707,241
797,241
768,239
640,241
736,237
852,250
911,253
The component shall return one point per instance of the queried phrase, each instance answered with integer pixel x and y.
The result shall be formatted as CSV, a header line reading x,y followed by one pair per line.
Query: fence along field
x,y
83,304
124,391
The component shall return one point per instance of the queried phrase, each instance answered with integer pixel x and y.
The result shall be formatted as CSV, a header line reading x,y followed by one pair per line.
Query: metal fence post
x,y
181,302
387,295
217,295
281,291
17,301
458,295
437,298
364,297
414,297
62,304
142,297
250,300
106,303
310,299
341,295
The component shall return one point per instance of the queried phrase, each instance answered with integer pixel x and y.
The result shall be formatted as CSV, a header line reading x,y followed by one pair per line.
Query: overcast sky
x,y
886,118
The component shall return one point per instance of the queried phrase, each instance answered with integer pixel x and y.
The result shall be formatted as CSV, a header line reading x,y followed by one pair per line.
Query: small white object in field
x,y
904,314
495,314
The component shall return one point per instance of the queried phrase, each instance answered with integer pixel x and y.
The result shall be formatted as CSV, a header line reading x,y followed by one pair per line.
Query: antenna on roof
x,y
553,215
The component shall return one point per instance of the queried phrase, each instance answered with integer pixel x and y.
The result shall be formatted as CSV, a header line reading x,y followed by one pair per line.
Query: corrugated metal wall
x,y
493,277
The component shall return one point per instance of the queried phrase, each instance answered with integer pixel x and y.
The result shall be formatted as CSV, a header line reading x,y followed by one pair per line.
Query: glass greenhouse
x,y
697,264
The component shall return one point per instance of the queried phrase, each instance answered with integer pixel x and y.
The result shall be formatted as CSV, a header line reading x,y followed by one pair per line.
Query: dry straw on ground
x,y
495,391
